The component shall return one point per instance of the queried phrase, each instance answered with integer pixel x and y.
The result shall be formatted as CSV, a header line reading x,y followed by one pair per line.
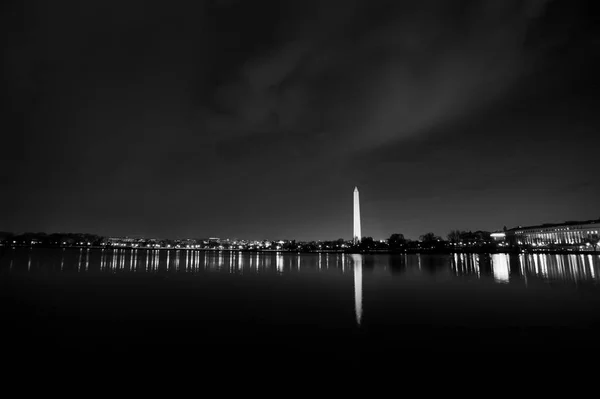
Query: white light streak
x,y
357,261
500,267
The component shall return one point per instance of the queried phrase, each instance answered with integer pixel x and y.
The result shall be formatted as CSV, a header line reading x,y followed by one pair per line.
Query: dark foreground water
x,y
246,309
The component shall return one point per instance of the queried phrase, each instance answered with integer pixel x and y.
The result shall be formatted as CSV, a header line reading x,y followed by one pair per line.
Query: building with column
x,y
567,234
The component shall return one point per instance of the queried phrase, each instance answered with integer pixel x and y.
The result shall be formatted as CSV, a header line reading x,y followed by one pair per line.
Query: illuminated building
x,y
357,233
498,236
568,234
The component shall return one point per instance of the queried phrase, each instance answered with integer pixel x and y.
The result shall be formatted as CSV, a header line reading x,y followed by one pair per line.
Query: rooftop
x,y
546,225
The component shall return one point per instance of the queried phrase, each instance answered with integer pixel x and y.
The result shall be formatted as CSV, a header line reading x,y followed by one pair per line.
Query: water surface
x,y
313,306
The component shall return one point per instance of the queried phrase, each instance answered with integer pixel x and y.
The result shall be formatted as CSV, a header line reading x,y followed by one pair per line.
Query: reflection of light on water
x,y
544,268
500,267
574,270
357,260
465,264
455,265
581,267
569,267
221,261
279,262
560,265
522,261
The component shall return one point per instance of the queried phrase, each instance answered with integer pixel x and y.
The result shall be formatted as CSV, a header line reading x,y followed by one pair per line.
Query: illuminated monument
x,y
357,260
357,234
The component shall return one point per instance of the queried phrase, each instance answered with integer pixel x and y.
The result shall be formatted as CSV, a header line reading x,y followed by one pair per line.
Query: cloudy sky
x,y
256,119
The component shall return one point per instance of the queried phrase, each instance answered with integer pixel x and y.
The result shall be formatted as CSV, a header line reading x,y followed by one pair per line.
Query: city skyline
x,y
567,233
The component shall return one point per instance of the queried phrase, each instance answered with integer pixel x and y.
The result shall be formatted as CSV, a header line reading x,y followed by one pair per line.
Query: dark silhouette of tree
x,y
454,236
468,236
396,241
289,245
431,241
366,243
6,236
429,237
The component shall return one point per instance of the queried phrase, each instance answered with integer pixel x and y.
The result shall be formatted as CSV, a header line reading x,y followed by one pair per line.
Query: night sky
x,y
256,119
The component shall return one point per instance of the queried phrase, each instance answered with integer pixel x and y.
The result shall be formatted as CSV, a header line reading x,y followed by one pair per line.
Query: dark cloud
x,y
386,72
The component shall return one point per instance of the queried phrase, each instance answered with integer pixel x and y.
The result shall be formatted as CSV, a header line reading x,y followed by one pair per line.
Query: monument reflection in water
x,y
357,260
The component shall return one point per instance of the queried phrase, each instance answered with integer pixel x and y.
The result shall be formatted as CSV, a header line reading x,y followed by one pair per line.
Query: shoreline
x,y
363,252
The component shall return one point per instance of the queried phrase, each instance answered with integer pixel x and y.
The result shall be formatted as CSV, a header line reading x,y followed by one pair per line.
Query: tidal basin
x,y
212,303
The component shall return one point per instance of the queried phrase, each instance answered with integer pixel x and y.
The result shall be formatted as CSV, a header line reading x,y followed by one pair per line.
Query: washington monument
x,y
357,234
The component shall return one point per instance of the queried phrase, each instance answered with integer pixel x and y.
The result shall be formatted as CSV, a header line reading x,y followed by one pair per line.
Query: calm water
x,y
311,305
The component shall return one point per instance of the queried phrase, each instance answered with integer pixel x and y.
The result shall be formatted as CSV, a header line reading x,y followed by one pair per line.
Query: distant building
x,y
118,240
498,236
567,234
